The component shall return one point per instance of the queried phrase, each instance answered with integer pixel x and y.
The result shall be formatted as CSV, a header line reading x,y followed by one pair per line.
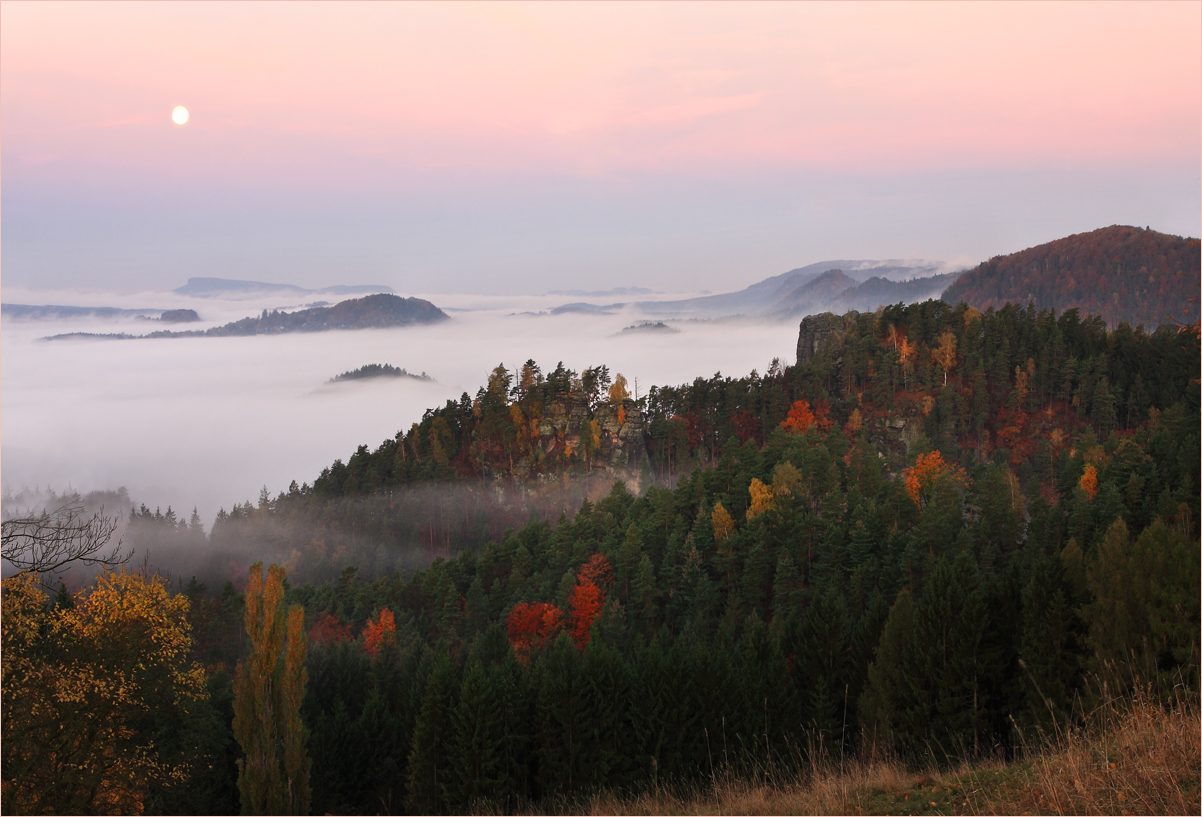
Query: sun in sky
x,y
180,115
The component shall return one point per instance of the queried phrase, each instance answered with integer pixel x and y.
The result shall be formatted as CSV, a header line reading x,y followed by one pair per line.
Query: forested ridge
x,y
948,530
1118,273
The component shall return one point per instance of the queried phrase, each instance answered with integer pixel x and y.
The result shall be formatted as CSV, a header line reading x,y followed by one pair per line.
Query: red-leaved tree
x,y
377,632
328,630
531,626
584,605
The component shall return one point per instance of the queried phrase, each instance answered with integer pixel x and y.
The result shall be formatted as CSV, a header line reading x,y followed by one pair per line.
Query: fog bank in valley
x,y
207,422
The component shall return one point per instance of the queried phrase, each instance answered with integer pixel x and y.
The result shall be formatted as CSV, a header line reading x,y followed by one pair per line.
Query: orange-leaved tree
x,y
920,479
273,777
598,571
1089,482
379,632
799,419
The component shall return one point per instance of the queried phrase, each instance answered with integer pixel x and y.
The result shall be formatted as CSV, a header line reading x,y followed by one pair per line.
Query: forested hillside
x,y
1116,273
947,530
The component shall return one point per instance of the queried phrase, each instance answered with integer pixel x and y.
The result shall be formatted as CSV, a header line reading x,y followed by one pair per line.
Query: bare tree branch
x,y
57,539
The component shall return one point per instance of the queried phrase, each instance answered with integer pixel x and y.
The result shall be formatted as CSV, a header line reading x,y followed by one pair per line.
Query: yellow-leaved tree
x,y
273,777
85,685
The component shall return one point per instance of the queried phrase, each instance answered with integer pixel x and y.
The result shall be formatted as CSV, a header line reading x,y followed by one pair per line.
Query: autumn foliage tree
x,y
84,684
588,597
945,353
532,626
922,476
1089,481
328,630
723,523
761,498
379,632
273,777
799,419
584,605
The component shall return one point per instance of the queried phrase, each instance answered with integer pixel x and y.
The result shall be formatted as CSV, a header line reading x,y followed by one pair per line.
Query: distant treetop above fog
x,y
378,370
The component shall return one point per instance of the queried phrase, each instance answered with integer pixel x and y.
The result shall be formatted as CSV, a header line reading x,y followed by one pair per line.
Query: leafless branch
x,y
51,542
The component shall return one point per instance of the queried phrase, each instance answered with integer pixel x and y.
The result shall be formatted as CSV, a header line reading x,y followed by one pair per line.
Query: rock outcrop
x,y
818,330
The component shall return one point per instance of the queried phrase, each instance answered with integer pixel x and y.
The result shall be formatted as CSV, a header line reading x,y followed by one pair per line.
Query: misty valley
x,y
602,551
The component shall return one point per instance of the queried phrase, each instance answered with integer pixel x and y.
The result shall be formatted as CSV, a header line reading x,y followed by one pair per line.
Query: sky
x,y
518,148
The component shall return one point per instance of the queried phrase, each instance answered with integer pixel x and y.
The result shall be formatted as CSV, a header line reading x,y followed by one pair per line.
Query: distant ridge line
x,y
212,287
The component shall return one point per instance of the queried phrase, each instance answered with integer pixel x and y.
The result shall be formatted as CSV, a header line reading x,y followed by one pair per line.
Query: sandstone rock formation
x,y
817,330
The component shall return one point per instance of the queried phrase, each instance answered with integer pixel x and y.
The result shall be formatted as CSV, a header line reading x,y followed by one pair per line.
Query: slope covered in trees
x,y
947,530
1117,273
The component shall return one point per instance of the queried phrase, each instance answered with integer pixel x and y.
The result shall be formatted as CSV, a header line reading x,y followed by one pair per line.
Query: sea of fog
x,y
207,422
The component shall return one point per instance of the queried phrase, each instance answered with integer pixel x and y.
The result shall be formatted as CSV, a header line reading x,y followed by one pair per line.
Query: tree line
x,y
948,533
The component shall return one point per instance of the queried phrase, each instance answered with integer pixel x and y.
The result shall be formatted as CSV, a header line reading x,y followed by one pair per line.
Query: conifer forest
x,y
940,533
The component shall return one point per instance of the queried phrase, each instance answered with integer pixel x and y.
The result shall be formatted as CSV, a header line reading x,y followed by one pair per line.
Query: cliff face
x,y
619,442
817,331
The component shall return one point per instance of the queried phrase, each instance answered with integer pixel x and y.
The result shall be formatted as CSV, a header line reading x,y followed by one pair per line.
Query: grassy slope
x,y
1135,758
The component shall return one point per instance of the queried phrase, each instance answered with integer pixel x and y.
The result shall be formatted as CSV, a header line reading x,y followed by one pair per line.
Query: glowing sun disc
x,y
180,115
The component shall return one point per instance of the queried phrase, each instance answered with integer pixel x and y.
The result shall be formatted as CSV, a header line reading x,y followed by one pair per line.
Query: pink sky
x,y
362,98
595,89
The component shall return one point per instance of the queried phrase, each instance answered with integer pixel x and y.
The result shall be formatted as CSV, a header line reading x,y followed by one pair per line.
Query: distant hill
x,y
1118,273
818,290
881,292
374,311
54,312
834,291
230,288
766,296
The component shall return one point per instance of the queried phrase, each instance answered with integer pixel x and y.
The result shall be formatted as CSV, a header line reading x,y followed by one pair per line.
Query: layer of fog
x,y
207,422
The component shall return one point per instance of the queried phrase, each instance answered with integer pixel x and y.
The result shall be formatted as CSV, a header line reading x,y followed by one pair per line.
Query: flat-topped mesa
x,y
817,330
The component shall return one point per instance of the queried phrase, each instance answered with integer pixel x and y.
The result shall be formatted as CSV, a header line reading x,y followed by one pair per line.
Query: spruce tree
x,y
475,743
427,757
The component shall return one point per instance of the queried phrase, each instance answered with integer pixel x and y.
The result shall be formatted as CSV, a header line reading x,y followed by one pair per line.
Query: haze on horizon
x,y
520,148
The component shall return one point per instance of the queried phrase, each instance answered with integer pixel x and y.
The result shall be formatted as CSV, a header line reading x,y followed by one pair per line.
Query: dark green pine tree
x,y
1050,648
386,726
886,691
754,590
606,739
475,744
561,729
786,588
428,766
515,706
822,666
945,673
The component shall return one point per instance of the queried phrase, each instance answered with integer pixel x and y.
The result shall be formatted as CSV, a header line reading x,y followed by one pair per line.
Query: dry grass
x,y
1136,758
1131,757
823,791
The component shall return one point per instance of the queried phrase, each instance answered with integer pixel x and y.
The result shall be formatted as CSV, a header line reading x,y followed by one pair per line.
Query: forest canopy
x,y
949,529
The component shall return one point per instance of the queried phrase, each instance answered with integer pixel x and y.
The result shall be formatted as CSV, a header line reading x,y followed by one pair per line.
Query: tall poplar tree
x,y
273,778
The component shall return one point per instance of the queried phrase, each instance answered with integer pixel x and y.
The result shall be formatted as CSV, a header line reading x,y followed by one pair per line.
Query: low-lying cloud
x,y
207,422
